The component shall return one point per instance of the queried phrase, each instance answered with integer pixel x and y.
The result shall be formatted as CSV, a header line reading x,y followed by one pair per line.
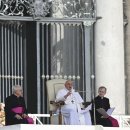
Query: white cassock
x,y
71,111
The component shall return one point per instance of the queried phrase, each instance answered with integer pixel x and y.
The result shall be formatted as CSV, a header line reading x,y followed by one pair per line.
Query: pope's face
x,y
69,85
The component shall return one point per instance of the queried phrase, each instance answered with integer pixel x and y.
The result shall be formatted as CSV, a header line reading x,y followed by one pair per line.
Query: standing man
x,y
15,108
71,111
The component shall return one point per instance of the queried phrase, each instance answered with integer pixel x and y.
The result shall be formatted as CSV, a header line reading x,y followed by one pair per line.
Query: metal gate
x,y
63,51
12,50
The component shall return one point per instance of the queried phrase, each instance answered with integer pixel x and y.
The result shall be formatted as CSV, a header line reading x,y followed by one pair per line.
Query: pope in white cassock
x,y
71,111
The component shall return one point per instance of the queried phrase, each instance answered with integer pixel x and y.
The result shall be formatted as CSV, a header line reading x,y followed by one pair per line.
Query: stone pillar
x,y
127,53
109,52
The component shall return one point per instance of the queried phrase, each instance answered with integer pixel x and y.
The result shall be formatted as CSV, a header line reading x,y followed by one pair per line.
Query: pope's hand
x,y
69,93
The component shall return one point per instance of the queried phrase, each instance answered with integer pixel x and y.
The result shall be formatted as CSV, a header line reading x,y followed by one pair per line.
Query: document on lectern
x,y
106,113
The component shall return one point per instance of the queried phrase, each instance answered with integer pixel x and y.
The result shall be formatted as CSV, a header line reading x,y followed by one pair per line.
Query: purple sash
x,y
113,121
30,120
17,110
20,110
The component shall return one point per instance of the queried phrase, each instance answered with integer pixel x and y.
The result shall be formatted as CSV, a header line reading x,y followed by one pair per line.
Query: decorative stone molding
x,y
88,23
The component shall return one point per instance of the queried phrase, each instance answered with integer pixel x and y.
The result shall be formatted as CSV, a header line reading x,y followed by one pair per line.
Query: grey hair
x,y
15,88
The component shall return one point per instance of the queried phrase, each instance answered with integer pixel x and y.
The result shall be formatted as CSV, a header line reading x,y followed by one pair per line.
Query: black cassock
x,y
12,102
101,103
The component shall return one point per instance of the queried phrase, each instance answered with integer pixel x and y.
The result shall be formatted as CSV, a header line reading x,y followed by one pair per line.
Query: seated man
x,y
15,108
103,102
71,111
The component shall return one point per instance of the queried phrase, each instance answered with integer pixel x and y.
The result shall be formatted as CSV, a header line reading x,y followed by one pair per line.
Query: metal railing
x,y
124,120
36,117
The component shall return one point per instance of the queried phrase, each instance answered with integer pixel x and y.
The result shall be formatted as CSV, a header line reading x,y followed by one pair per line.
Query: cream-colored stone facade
x,y
109,52
127,54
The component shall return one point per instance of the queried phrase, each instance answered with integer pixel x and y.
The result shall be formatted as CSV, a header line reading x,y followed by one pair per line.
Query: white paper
x,y
103,112
89,107
106,113
110,111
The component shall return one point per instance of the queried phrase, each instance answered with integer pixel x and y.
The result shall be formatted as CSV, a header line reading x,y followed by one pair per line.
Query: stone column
x,y
109,52
127,53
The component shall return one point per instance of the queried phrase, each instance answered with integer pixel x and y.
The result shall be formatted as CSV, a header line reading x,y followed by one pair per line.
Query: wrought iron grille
x,y
15,7
54,8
